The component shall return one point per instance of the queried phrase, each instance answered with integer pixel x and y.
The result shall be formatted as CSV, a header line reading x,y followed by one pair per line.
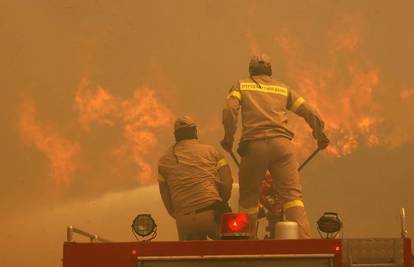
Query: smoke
x,y
140,121
60,152
344,87
98,134
406,94
139,117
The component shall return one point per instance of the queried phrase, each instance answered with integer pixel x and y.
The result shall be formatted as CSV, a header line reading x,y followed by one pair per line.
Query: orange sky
x,y
90,90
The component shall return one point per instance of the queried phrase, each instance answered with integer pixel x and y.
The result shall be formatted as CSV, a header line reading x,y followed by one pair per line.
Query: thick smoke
x,y
90,90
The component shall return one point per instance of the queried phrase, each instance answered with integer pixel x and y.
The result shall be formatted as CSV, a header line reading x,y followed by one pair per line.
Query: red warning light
x,y
234,225
237,223
337,248
134,252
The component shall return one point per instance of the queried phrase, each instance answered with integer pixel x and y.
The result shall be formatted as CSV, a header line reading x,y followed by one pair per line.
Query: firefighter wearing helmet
x,y
265,143
195,183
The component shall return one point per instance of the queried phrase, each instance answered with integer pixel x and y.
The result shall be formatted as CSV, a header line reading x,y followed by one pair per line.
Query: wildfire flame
x,y
140,117
97,106
342,91
344,88
60,151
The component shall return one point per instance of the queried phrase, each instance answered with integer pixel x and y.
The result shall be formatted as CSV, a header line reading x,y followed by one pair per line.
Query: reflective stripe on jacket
x,y
264,103
190,170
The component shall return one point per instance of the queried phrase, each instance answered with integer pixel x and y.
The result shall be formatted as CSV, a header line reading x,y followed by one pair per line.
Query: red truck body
x,y
312,252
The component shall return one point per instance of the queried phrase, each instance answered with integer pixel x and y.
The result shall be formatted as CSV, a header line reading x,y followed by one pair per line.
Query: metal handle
x,y
235,159
299,169
309,158
241,256
70,230
404,231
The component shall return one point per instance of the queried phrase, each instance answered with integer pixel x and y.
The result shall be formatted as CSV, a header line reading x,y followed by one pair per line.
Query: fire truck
x,y
235,249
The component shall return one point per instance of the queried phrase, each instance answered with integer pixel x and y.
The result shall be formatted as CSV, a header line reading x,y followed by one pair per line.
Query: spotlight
x,y
144,225
330,224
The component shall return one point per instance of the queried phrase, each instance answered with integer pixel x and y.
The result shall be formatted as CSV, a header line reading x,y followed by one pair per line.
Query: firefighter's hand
x,y
227,145
323,142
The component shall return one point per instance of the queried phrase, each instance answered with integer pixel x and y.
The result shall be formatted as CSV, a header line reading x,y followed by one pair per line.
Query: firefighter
x,y
195,183
265,144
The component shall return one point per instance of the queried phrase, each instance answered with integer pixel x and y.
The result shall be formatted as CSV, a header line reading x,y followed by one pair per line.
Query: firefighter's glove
x,y
243,149
227,145
323,142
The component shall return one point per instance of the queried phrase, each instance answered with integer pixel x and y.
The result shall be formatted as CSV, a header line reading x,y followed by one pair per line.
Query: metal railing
x,y
92,237
404,231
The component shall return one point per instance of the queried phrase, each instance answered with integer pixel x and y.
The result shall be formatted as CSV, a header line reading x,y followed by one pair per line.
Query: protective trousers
x,y
277,156
197,226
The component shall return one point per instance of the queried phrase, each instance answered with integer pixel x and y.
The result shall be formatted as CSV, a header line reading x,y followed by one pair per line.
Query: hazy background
x,y
89,90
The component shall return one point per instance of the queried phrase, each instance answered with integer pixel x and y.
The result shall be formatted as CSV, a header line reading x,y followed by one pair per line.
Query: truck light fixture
x,y
330,224
235,226
144,225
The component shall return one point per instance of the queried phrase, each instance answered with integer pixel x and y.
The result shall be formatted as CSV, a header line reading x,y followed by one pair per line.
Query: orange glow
x,y
406,94
345,35
346,42
140,117
210,127
60,151
343,93
99,106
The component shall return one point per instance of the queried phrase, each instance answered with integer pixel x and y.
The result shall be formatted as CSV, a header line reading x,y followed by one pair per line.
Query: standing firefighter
x,y
266,140
195,183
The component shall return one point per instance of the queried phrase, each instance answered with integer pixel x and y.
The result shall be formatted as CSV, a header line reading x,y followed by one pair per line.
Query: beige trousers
x,y
277,156
197,226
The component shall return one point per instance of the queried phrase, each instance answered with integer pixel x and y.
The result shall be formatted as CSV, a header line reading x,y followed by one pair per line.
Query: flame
x,y
60,151
347,90
140,117
99,106
342,91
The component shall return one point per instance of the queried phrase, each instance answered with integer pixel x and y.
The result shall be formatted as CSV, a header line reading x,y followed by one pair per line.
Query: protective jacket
x,y
265,144
265,103
190,169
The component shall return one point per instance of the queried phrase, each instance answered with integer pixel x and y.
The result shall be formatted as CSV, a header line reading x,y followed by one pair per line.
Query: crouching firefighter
x,y
265,143
195,183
